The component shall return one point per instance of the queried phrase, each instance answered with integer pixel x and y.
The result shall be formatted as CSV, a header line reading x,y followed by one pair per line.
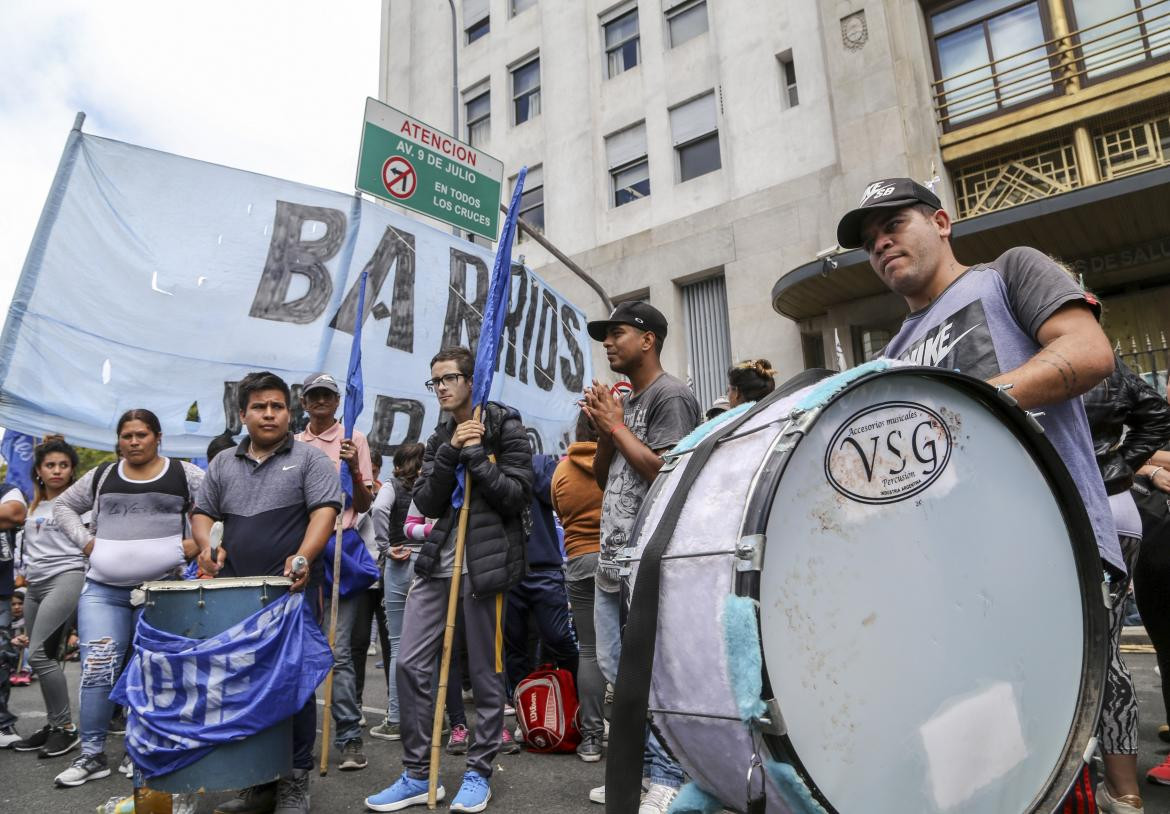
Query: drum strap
x,y
623,766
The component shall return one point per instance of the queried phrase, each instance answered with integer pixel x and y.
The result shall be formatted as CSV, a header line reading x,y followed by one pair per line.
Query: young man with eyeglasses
x,y
495,453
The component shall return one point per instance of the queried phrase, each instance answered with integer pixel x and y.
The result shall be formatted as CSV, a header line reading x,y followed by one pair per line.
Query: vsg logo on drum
x,y
888,452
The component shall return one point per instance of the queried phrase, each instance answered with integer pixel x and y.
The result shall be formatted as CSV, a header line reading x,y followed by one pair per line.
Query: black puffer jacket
x,y
500,493
1124,403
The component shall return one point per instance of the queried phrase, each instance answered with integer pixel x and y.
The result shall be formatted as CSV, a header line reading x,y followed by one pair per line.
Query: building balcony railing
x,y
1120,146
1056,66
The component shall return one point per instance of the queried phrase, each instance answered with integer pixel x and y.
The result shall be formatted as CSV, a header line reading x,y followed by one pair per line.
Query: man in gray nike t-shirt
x,y
1018,320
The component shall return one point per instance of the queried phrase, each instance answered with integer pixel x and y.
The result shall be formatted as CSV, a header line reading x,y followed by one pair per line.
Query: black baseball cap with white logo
x,y
321,381
886,194
641,315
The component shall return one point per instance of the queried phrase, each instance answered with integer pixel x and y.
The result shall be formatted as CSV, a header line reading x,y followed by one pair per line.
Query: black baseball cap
x,y
641,315
889,193
321,381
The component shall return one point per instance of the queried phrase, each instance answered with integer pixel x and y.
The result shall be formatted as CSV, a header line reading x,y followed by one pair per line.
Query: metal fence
x,y
1147,357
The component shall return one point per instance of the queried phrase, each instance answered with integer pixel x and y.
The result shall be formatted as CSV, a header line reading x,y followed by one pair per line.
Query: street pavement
x,y
521,783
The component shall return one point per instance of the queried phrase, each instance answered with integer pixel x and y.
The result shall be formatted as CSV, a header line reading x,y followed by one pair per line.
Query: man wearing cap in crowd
x,y
632,436
1019,320
321,398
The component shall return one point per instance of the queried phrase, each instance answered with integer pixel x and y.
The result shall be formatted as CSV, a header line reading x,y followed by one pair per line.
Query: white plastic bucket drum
x,y
929,601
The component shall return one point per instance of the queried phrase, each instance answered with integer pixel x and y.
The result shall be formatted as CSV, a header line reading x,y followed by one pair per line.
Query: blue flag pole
x,y
354,396
485,367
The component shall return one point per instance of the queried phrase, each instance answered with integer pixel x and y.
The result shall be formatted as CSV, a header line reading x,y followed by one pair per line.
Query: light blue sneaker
x,y
473,795
406,791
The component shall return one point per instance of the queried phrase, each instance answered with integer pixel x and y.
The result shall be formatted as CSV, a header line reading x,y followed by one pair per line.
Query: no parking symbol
x,y
399,177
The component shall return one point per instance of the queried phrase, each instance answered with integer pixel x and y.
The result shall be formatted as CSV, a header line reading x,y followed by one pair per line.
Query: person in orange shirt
x,y
576,499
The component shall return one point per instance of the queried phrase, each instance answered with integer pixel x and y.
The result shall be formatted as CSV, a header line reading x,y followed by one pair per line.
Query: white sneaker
x,y
8,736
659,798
1108,804
84,769
597,795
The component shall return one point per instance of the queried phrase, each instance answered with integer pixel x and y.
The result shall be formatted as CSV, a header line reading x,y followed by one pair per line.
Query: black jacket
x,y
1124,403
494,549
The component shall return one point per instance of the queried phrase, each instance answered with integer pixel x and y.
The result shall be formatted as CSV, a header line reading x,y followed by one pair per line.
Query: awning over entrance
x,y
1114,233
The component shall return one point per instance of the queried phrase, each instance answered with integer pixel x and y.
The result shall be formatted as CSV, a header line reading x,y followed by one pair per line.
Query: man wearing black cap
x,y
632,435
1019,320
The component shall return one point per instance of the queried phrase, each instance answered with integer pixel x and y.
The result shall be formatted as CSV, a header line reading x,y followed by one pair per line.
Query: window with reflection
x,y
622,47
991,54
1118,34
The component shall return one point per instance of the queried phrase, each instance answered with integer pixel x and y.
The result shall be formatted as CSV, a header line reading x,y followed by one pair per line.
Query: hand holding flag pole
x,y
354,396
485,367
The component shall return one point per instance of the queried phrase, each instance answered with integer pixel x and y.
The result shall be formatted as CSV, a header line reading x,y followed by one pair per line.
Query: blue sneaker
x,y
473,795
406,791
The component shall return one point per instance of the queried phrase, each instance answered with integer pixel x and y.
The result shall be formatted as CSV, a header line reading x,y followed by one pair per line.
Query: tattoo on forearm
x,y
1063,366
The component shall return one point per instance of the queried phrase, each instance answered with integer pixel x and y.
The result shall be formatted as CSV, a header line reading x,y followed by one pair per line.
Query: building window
x,y
991,54
708,338
532,199
685,21
696,137
526,91
1121,33
476,21
812,348
479,118
622,44
521,5
788,80
629,167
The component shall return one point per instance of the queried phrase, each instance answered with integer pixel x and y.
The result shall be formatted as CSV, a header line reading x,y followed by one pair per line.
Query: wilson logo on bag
x,y
546,710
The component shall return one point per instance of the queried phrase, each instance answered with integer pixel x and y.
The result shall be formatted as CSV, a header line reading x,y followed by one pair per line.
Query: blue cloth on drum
x,y
186,696
745,660
693,800
819,394
358,569
792,788
707,427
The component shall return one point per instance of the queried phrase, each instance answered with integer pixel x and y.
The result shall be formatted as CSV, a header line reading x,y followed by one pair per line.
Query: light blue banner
x,y
158,281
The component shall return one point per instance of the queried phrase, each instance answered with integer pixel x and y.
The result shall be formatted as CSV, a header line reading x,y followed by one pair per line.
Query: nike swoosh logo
x,y
945,350
294,466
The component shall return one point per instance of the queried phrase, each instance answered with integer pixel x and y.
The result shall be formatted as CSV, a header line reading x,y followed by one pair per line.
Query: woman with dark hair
x,y
55,569
749,381
140,532
397,550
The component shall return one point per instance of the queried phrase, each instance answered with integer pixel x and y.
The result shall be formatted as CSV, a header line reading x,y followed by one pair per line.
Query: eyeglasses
x,y
447,381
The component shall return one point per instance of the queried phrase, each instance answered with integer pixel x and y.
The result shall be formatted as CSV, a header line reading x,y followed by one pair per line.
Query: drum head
x,y
922,611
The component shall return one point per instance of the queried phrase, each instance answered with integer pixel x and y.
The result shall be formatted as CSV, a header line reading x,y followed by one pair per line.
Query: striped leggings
x,y
1118,730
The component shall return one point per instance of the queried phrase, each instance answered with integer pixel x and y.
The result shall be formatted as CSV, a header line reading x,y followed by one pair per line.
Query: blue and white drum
x,y
929,598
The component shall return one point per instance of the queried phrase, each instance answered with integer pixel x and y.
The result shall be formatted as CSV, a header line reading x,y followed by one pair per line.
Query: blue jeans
x,y
347,715
105,625
396,578
607,612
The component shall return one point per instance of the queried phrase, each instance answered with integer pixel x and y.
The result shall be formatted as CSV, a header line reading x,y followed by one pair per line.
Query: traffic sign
x,y
399,177
409,163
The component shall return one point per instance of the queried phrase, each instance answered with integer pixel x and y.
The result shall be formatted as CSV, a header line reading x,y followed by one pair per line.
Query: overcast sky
x,y
272,87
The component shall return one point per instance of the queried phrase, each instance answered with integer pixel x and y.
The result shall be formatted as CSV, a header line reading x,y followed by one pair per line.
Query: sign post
x,y
409,163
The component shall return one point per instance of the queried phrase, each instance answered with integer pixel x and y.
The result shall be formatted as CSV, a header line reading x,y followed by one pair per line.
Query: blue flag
x,y
494,312
186,696
17,449
355,388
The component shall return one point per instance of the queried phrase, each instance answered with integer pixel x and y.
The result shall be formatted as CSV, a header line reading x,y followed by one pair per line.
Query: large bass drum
x,y
929,598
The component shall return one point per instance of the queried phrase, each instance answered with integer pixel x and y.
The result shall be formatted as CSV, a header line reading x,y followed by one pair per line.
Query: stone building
x,y
699,153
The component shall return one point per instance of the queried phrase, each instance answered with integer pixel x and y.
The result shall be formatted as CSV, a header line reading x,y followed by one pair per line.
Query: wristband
x,y
1157,469
618,426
